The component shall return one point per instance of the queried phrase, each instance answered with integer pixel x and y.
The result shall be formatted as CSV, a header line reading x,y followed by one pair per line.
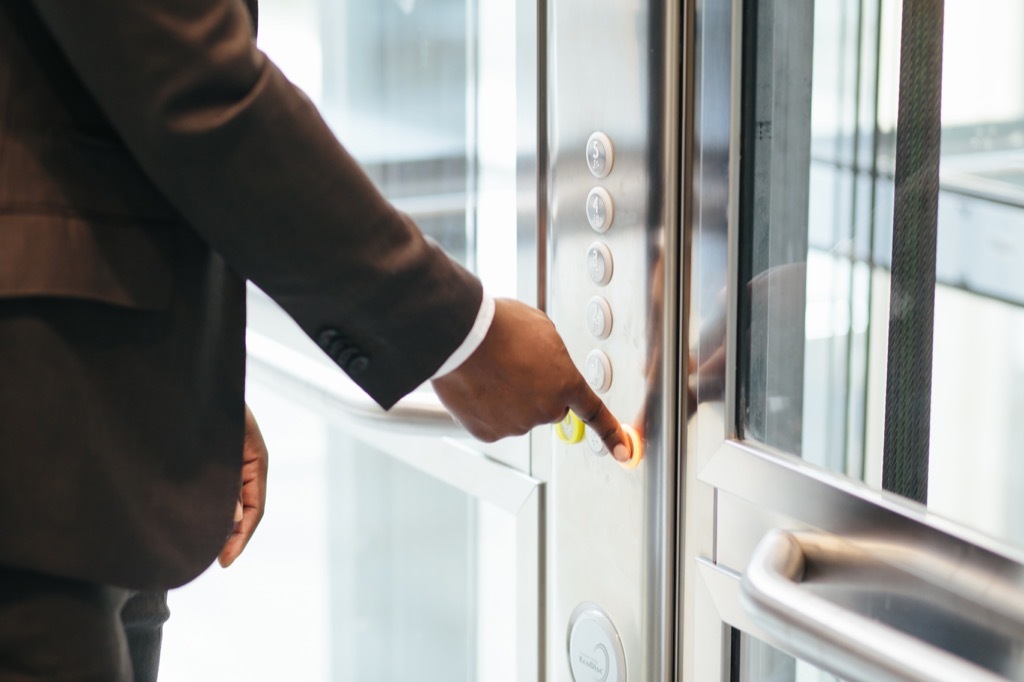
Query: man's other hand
x,y
521,376
253,497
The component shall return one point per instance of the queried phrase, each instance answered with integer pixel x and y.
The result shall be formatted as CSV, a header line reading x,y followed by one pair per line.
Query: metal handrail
x,y
830,636
419,412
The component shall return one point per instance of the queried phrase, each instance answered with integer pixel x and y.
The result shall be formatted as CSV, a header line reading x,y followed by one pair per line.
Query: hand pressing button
x,y
636,448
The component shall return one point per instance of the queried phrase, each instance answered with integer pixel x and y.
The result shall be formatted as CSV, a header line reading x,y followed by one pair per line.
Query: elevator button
x,y
600,209
636,447
599,317
595,649
598,371
600,155
595,443
599,263
570,429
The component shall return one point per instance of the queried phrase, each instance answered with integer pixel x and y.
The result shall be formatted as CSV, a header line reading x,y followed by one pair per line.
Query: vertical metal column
x,y
912,306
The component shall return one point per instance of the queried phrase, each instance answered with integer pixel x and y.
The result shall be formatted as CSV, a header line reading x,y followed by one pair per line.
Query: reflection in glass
x,y
364,568
818,140
395,89
755,661
402,566
394,81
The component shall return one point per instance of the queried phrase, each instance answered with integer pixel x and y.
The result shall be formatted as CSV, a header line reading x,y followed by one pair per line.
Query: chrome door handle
x,y
836,638
419,412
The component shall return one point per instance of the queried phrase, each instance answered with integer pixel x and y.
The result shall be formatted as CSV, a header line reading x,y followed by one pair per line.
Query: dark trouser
x,y
62,630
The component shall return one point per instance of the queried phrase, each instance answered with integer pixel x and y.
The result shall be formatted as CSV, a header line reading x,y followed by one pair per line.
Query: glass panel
x,y
403,585
817,192
366,568
266,618
362,569
423,93
755,661
393,79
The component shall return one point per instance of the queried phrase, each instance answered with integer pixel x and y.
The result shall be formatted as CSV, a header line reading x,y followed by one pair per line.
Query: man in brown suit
x,y
151,161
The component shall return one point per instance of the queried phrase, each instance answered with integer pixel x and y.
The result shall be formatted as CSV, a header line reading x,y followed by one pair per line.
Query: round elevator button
x,y
595,649
600,209
600,155
595,443
598,371
570,429
599,263
636,447
599,317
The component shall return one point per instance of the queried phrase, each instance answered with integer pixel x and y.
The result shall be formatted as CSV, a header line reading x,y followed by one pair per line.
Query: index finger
x,y
594,413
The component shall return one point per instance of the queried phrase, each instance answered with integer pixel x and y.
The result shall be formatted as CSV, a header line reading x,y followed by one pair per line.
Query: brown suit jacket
x,y
151,160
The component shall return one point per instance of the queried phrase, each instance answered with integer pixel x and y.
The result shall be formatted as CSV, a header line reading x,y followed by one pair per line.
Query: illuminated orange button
x,y
636,448
571,429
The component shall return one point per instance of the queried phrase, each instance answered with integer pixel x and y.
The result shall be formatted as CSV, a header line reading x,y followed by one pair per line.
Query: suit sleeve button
x,y
358,364
346,355
325,337
337,348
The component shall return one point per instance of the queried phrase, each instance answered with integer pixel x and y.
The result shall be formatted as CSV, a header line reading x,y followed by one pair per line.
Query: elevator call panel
x,y
612,233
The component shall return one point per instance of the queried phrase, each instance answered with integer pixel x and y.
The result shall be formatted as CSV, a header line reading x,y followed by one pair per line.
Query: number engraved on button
x,y
597,156
600,210
595,443
600,155
598,371
596,320
597,212
599,317
599,263
597,266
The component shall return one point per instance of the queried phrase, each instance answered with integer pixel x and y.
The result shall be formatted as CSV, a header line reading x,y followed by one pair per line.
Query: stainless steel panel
x,y
613,68
709,312
776,154
531,155
721,589
808,496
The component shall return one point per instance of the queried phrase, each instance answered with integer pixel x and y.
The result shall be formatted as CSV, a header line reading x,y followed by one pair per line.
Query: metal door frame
x,y
734,493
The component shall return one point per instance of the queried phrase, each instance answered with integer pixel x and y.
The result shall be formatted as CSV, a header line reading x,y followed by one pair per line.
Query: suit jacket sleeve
x,y
246,159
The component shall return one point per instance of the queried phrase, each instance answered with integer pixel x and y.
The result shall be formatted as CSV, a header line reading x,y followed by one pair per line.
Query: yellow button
x,y
571,429
636,448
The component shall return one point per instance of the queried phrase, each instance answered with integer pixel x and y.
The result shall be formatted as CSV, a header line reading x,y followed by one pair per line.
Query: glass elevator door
x,y
805,559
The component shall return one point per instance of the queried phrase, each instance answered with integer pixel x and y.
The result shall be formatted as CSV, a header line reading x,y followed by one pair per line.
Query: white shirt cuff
x,y
476,336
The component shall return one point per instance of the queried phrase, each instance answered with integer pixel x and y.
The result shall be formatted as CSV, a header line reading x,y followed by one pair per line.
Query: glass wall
x,y
397,90
395,82
367,565
364,568
755,661
820,114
